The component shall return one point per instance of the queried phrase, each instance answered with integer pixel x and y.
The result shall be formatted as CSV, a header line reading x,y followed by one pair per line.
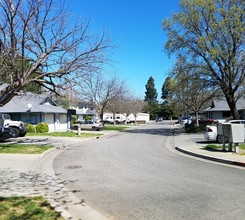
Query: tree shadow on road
x,y
151,131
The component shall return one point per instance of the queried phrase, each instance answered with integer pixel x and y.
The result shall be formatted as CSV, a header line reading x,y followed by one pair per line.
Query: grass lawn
x,y
23,149
38,149
115,128
64,134
213,147
19,208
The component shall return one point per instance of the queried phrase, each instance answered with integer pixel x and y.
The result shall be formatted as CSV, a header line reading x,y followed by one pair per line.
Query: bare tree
x,y
137,105
38,44
101,91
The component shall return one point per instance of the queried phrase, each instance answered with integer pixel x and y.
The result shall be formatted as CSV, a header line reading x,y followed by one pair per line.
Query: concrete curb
x,y
216,159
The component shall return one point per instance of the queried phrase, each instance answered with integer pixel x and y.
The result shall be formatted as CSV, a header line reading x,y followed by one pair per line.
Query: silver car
x,y
88,125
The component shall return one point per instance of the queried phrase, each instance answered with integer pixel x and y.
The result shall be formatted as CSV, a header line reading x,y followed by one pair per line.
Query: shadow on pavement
x,y
152,131
14,183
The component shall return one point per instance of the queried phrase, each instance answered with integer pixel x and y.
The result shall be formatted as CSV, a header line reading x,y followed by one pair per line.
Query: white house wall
x,y
62,123
49,119
56,122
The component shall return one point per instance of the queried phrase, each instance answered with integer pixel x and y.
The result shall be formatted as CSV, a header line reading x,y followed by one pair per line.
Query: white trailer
x,y
140,117
119,118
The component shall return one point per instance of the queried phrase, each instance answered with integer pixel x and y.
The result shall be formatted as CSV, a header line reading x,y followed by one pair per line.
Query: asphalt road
x,y
137,175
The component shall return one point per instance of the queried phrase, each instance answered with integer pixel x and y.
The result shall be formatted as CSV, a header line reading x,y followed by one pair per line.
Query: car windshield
x,y
88,122
186,118
6,116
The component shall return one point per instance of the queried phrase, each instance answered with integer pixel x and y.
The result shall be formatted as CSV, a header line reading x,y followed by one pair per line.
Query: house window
x,y
226,114
33,119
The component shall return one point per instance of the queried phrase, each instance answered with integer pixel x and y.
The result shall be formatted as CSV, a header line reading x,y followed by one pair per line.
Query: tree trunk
x,y
101,117
232,105
197,119
7,94
114,119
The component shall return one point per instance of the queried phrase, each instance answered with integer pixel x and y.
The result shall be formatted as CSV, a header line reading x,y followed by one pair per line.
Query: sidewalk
x,y
193,144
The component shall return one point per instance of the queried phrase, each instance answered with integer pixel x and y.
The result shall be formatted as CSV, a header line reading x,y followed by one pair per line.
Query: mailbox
x,y
234,132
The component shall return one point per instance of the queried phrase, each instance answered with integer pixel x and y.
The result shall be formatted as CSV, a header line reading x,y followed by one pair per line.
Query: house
x,y
220,110
85,111
34,108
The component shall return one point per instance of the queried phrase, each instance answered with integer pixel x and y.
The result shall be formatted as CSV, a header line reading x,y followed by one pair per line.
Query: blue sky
x,y
135,26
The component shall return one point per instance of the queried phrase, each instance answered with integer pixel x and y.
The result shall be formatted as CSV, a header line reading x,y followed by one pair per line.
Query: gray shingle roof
x,y
39,103
86,111
222,105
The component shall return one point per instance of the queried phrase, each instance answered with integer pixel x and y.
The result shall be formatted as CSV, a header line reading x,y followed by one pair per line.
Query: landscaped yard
x,y
115,127
65,134
19,208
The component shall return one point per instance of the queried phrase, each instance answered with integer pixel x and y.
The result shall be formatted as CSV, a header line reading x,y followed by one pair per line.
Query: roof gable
x,y
32,102
222,105
48,101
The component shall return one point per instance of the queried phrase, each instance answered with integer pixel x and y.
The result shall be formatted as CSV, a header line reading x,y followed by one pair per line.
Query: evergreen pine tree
x,y
151,92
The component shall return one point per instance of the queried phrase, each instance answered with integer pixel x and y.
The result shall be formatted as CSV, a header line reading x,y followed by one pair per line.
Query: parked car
x,y
6,133
211,132
159,119
88,125
185,120
205,120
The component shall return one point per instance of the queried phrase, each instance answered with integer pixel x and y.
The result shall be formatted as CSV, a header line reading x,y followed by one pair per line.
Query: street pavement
x,y
32,175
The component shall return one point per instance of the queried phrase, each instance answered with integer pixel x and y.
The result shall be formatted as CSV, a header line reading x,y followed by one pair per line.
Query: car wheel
x,y
220,139
94,128
16,132
22,134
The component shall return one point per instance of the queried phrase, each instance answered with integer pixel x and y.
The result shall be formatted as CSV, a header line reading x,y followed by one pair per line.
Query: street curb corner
x,y
216,159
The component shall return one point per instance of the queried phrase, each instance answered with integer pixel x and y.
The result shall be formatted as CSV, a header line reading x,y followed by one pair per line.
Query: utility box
x,y
220,129
234,132
226,130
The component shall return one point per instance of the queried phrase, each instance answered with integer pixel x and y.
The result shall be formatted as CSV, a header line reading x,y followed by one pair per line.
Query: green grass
x,y
115,128
213,147
242,146
19,208
23,148
65,134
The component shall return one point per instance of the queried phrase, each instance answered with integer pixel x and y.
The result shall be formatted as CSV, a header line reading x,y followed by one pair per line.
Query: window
x,y
33,119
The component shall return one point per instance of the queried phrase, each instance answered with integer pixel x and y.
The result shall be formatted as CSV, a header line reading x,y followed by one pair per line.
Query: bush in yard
x,y
73,120
88,117
30,128
42,127
191,128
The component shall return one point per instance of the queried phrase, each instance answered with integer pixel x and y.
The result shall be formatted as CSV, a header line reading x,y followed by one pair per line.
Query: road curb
x,y
216,159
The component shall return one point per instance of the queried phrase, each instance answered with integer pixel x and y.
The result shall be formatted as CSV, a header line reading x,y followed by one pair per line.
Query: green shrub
x,y
30,128
191,128
88,117
73,120
42,127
